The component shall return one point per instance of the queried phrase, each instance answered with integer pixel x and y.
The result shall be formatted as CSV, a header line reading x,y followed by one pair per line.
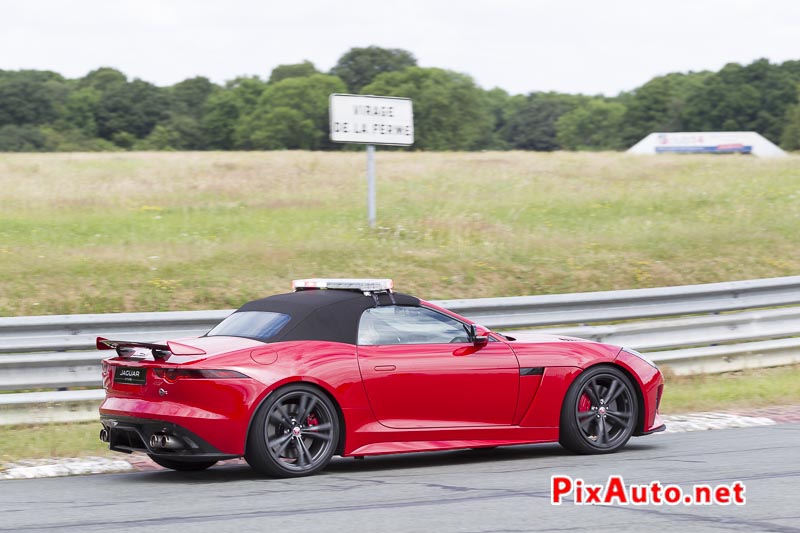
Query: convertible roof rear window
x,y
260,325
307,315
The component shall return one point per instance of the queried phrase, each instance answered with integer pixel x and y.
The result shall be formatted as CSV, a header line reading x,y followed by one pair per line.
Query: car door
x,y
420,370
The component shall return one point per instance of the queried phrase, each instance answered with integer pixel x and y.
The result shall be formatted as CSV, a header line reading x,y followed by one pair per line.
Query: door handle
x,y
385,368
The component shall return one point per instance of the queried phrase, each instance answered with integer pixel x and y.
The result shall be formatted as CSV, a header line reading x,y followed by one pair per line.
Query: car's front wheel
x,y
599,412
294,432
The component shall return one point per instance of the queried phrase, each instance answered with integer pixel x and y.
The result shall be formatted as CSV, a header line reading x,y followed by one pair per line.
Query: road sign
x,y
371,120
364,119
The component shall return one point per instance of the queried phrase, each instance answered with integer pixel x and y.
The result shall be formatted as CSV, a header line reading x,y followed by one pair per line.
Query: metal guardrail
x,y
58,351
656,335
47,407
78,332
611,306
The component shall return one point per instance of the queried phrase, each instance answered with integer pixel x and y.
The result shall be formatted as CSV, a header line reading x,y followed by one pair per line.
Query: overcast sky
x,y
578,46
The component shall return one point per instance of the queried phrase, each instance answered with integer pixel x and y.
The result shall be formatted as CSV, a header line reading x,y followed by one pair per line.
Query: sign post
x,y
371,120
371,208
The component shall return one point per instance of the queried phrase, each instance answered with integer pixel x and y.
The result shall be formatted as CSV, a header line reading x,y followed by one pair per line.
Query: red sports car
x,y
352,368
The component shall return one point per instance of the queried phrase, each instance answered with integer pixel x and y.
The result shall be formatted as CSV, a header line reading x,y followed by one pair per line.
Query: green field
x,y
113,232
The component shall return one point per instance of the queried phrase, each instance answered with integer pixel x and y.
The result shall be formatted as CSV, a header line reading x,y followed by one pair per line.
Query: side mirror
x,y
477,337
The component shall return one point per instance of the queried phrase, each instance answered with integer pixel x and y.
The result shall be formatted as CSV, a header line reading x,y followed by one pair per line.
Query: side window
x,y
408,325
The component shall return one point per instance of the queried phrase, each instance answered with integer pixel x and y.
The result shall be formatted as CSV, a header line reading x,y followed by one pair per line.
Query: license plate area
x,y
130,375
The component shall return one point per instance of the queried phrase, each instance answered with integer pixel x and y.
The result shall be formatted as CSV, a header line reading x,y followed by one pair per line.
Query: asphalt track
x,y
507,489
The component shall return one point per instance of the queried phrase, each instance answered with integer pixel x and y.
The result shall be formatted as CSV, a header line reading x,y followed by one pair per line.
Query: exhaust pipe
x,y
104,435
163,441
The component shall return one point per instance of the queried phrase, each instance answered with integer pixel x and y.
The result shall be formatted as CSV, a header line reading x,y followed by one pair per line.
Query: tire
x,y
181,466
294,433
599,413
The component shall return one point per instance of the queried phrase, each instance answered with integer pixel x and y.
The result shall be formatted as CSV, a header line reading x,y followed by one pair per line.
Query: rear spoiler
x,y
159,351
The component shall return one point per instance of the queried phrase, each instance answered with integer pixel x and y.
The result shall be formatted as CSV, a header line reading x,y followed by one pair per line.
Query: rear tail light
x,y
174,374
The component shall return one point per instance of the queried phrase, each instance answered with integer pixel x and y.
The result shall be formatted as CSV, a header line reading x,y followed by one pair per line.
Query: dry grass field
x,y
114,232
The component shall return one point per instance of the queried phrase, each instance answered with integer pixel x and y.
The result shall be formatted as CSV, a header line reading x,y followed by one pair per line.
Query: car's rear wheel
x,y
599,412
294,432
181,466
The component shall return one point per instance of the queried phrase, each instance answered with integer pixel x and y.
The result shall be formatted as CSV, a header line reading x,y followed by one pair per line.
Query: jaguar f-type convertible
x,y
352,368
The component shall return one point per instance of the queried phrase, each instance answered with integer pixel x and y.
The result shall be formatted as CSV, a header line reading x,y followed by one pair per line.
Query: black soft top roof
x,y
323,315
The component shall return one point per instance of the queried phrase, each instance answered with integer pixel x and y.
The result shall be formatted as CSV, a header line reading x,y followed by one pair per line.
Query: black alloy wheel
x,y
599,413
294,433
181,466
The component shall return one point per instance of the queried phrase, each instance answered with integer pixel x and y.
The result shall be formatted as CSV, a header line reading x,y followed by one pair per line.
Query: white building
x,y
707,142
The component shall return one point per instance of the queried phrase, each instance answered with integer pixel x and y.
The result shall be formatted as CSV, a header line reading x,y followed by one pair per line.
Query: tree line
x,y
104,110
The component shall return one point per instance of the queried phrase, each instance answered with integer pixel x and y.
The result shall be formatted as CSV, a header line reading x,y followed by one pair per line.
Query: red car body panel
x,y
442,385
392,398
650,384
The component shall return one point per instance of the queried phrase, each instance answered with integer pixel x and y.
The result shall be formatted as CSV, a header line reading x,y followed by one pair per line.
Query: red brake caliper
x,y
584,403
311,420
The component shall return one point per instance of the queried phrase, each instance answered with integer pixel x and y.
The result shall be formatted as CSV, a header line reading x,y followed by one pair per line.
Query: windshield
x,y
259,325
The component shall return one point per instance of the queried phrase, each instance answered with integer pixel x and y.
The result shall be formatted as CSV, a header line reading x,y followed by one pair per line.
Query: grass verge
x,y
112,232
742,389
51,440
